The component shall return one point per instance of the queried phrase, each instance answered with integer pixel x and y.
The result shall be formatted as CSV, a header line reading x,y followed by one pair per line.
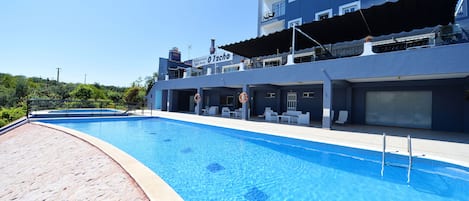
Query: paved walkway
x,y
38,163
444,146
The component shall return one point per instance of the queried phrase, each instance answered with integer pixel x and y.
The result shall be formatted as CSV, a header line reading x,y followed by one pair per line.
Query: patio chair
x,y
270,115
213,110
225,112
303,119
343,115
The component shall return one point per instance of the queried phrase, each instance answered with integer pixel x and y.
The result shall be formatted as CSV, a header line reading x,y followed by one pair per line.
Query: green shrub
x,y
8,115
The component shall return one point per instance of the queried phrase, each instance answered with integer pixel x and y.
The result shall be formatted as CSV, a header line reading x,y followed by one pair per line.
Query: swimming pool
x,y
210,163
93,110
90,112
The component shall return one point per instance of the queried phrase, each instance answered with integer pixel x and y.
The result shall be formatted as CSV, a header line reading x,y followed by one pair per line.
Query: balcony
x,y
272,9
393,43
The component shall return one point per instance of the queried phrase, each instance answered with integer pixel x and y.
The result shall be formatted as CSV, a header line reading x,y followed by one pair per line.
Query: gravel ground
x,y
38,163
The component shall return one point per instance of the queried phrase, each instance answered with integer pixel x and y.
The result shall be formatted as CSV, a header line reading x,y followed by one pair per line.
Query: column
x,y
278,96
198,107
326,101
244,114
349,101
169,101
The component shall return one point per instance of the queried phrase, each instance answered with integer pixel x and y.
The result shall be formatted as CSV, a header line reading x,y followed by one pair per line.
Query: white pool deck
x,y
444,146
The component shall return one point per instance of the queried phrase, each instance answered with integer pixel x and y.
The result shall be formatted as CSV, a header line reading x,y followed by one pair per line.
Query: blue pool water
x,y
210,163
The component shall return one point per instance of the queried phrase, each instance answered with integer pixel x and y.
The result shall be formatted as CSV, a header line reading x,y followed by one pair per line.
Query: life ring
x,y
243,97
197,97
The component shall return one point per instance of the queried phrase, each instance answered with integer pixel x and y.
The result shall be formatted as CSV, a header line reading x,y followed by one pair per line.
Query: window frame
x,y
279,59
355,4
320,13
299,20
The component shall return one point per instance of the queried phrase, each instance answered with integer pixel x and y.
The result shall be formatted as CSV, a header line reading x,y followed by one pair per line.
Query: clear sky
x,y
114,42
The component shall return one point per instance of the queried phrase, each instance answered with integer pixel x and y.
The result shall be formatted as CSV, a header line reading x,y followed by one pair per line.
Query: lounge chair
x,y
343,115
225,112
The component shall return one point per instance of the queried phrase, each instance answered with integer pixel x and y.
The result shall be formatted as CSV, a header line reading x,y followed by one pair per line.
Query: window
x,y
272,62
270,95
291,101
324,15
278,8
304,57
348,8
296,22
227,100
230,68
308,94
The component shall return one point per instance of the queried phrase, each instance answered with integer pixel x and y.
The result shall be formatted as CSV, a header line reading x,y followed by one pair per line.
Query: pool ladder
x,y
409,149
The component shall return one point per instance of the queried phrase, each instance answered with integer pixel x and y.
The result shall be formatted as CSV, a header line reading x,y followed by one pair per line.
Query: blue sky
x,y
114,42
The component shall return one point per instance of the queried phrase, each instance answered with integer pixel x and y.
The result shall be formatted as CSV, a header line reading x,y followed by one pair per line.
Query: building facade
x,y
276,15
414,79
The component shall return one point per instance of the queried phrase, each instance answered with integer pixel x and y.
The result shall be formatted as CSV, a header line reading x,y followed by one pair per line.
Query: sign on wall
x,y
218,57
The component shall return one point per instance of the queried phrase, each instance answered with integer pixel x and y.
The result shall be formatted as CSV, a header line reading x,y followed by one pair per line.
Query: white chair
x,y
303,119
343,115
270,115
213,110
225,112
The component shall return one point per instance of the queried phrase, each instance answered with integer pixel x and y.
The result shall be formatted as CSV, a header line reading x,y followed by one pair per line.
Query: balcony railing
x,y
444,36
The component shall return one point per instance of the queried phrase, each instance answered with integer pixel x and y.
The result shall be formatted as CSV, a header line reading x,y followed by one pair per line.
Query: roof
x,y
387,18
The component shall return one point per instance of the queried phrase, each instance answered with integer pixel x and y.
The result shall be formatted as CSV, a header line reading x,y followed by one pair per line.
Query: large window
x,y
278,8
324,15
348,8
411,109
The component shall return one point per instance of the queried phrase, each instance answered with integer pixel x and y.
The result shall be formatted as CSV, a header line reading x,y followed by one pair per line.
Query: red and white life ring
x,y
197,97
243,97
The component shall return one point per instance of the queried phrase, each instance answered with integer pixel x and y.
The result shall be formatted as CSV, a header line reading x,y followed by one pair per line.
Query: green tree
x,y
150,81
82,92
131,96
116,97
21,91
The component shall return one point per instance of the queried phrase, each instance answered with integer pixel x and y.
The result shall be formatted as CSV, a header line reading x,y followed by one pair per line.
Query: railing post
x,y
383,161
409,148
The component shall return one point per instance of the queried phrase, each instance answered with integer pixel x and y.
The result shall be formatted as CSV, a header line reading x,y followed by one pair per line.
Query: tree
x,y
114,96
21,90
82,92
131,96
150,81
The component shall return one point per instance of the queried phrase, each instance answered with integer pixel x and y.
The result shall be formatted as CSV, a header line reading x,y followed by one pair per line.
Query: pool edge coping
x,y
153,186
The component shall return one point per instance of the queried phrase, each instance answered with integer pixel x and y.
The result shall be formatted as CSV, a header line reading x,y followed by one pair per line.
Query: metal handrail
x,y
383,155
409,149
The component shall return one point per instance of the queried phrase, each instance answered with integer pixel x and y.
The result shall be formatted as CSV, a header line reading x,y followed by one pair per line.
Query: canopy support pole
x,y
312,39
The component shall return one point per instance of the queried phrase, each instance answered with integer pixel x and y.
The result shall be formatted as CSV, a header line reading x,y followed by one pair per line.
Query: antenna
x,y
58,73
189,47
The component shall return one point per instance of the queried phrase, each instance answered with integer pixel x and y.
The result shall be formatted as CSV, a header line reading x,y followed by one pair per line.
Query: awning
x,y
387,18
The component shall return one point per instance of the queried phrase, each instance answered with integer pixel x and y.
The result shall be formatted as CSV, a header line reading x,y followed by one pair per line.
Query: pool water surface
x,y
202,162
